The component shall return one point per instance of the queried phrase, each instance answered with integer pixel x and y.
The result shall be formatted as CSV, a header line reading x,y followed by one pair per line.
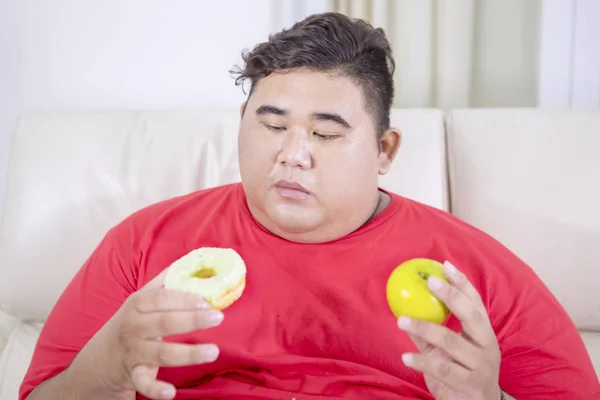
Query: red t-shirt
x,y
313,321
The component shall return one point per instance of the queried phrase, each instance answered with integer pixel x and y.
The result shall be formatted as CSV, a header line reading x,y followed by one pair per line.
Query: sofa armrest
x,y
7,324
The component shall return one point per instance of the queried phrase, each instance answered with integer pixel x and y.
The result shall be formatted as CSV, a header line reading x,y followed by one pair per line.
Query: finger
x,y
422,345
451,343
164,300
168,354
167,323
144,382
472,315
157,282
444,370
461,282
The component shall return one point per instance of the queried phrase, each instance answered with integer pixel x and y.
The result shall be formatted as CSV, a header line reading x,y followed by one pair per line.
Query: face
x,y
309,155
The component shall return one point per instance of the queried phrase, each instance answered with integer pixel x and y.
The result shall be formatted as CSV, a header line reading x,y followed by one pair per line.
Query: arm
x,y
96,292
74,383
543,354
474,361
103,339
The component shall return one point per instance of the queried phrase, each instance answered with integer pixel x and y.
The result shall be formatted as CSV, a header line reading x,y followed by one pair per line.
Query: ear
x,y
389,143
242,109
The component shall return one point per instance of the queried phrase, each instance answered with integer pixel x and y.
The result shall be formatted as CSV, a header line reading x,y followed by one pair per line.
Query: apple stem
x,y
423,275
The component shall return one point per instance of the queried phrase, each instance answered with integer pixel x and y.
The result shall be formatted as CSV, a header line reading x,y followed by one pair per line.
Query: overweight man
x,y
319,239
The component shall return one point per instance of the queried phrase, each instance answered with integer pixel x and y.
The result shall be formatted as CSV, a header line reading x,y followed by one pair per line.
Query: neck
x,y
320,234
383,201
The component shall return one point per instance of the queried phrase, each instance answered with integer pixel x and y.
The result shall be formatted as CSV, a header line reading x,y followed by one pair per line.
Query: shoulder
x,y
200,201
157,234
205,198
504,280
439,222
179,212
480,255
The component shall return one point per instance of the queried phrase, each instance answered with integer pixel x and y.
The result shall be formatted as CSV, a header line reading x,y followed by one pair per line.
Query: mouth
x,y
292,190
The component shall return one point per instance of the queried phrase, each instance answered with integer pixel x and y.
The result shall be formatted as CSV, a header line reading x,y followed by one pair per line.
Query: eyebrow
x,y
333,118
268,109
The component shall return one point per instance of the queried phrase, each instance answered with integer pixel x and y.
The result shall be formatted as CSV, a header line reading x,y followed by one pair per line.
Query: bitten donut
x,y
216,274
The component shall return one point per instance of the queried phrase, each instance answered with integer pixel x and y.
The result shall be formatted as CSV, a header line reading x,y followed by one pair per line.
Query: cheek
x,y
352,163
351,174
256,151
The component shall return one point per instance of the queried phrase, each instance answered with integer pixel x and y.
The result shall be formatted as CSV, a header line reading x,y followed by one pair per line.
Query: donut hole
x,y
204,273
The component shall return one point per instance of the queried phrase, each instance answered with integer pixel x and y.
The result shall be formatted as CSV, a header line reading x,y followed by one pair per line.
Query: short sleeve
x,y
95,293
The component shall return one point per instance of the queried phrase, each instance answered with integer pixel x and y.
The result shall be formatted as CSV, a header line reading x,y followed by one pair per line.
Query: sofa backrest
x,y
75,174
531,179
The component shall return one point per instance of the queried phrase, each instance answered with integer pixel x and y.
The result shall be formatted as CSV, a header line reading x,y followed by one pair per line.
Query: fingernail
x,y
201,303
168,393
211,352
434,283
214,317
407,358
403,322
450,269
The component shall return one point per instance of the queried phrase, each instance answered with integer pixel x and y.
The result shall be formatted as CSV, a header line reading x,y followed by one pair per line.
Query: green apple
x,y
408,294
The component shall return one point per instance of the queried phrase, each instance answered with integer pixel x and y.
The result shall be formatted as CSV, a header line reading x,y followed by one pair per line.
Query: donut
x,y
216,274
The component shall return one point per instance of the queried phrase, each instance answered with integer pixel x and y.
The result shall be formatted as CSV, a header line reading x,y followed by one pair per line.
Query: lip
x,y
292,190
292,185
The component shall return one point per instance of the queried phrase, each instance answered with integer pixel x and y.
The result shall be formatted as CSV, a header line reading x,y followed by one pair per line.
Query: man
x,y
319,239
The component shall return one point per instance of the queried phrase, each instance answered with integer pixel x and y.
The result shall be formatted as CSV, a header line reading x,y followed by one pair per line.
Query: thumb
x,y
144,382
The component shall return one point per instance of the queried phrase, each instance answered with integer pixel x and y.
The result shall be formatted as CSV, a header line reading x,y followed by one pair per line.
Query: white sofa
x,y
529,177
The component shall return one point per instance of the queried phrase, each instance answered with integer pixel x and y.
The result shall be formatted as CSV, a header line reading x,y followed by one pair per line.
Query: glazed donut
x,y
216,274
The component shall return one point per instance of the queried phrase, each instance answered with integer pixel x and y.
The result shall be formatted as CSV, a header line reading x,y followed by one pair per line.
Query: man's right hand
x,y
127,351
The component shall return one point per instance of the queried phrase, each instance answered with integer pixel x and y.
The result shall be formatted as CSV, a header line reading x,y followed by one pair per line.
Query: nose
x,y
296,150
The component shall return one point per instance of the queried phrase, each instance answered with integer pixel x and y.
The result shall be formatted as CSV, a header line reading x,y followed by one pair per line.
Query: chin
x,y
295,219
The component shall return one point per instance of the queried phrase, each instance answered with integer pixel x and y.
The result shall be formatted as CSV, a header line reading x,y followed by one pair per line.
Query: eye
x,y
325,137
274,128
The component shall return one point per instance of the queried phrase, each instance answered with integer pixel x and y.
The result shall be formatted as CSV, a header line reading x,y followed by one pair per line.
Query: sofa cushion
x,y
75,174
531,179
7,324
592,344
15,358
419,171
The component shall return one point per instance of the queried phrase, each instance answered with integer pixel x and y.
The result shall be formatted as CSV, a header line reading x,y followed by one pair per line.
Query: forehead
x,y
303,92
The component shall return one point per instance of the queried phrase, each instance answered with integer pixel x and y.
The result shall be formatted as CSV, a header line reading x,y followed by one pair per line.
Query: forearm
x,y
60,387
76,383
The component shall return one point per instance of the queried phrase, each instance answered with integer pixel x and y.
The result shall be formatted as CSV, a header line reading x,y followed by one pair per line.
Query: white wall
x,y
122,54
570,54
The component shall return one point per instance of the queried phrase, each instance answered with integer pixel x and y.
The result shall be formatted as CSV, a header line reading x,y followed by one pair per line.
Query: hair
x,y
330,42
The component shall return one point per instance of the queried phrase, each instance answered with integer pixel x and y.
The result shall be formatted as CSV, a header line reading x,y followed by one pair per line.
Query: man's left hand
x,y
461,365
